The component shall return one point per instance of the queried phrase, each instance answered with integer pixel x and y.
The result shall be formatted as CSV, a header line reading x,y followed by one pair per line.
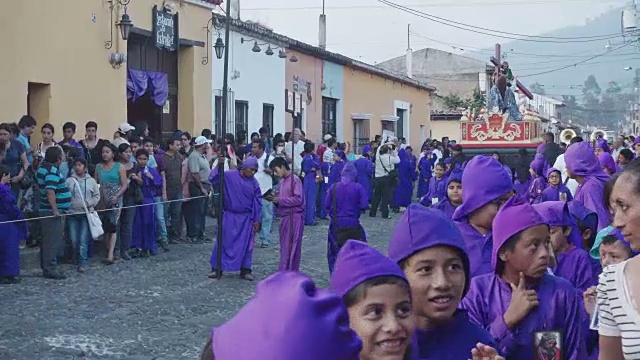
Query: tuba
x,y
596,134
566,135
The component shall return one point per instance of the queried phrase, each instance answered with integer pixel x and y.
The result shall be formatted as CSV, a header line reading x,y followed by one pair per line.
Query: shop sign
x,y
165,29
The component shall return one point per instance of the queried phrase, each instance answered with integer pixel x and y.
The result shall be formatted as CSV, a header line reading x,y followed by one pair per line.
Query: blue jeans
x,y
267,220
160,220
79,235
173,216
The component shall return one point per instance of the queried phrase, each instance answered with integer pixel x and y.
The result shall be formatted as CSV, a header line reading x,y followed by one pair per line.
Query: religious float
x,y
494,130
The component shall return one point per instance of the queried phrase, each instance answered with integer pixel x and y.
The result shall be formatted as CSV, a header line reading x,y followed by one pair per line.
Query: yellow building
x,y
62,62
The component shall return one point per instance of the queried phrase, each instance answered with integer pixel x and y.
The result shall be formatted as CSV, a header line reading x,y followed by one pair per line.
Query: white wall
x,y
261,80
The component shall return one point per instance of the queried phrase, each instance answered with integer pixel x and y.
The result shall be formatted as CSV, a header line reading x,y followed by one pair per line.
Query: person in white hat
x,y
122,134
199,188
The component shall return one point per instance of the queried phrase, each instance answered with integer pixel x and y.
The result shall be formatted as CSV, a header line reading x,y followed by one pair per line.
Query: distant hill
x,y
526,58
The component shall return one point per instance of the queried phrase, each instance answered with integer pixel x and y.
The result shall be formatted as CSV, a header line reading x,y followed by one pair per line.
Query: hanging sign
x,y
165,29
166,109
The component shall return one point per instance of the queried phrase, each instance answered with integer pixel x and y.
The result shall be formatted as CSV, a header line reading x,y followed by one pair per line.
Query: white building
x,y
256,83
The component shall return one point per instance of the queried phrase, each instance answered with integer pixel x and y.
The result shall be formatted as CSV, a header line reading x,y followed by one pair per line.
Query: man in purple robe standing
x,y
241,219
583,166
519,299
291,207
486,187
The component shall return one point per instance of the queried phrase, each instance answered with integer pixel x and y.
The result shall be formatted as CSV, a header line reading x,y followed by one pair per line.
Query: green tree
x,y
453,101
591,101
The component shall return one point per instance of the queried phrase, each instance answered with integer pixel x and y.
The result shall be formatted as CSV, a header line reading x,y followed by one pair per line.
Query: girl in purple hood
x,y
556,190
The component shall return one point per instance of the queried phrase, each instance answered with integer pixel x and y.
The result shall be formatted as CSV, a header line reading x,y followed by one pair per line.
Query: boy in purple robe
x,y
487,187
310,167
430,250
520,297
539,183
450,203
145,241
425,168
436,191
289,318
365,278
344,203
556,190
241,217
290,202
339,159
11,232
403,191
601,145
572,261
607,163
321,213
583,166
364,166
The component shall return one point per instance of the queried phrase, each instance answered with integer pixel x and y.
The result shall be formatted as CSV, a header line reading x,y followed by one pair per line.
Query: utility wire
x,y
481,30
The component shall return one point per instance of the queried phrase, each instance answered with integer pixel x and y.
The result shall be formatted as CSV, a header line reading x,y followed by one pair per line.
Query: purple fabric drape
x,y
139,81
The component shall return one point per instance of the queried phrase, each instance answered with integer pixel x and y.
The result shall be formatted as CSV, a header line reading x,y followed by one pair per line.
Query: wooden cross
x,y
495,60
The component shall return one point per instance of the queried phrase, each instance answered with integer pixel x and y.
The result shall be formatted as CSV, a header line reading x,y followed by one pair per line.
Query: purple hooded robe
x,y
586,219
552,193
445,204
607,163
364,166
336,168
310,165
574,264
242,208
10,233
145,219
539,183
291,210
425,168
350,200
479,190
289,318
421,228
321,213
403,192
560,307
581,161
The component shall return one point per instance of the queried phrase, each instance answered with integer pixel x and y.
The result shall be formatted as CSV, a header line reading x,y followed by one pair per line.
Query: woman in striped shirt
x,y
619,289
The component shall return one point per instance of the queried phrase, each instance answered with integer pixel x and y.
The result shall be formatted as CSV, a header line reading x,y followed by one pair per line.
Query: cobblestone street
x,y
156,308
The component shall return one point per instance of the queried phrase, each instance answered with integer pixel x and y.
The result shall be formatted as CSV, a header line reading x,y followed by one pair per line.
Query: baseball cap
x,y
125,128
201,140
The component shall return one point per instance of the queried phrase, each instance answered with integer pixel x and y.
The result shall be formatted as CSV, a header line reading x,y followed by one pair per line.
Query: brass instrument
x,y
596,134
566,135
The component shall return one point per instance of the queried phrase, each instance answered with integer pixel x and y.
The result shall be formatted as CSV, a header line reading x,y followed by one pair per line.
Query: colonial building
x,y
341,96
68,61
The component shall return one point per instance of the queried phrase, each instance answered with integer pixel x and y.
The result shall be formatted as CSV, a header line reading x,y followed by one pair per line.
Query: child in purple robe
x,y
344,203
483,195
520,298
150,181
290,202
436,190
403,191
453,199
289,318
607,163
321,213
583,166
539,183
556,190
365,280
11,232
364,166
425,167
601,145
310,167
572,261
431,252
339,159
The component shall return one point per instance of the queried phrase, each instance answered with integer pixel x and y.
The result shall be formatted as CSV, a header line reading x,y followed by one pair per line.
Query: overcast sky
x,y
370,31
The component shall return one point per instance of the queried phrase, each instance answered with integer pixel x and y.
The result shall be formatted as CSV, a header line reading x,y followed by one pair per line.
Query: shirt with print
x,y
48,178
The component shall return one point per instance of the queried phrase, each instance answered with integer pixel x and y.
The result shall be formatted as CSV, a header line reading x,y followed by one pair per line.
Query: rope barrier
x,y
103,210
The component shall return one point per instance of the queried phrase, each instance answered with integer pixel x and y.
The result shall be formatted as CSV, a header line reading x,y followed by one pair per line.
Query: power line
x,y
432,5
481,30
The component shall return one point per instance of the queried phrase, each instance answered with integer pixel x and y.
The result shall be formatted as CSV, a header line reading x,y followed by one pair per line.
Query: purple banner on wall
x,y
139,81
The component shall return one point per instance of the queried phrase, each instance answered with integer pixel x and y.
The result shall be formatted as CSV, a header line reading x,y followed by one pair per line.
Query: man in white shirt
x,y
560,164
265,180
383,183
293,155
327,156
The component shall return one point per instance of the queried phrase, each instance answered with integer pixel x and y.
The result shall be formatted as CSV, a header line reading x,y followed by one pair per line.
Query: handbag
x,y
392,174
95,225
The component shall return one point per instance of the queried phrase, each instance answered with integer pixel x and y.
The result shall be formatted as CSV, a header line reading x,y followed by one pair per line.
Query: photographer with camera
x,y
385,177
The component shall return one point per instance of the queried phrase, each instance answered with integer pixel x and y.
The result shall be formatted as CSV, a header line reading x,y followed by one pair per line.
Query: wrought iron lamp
x,y
124,24
219,46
